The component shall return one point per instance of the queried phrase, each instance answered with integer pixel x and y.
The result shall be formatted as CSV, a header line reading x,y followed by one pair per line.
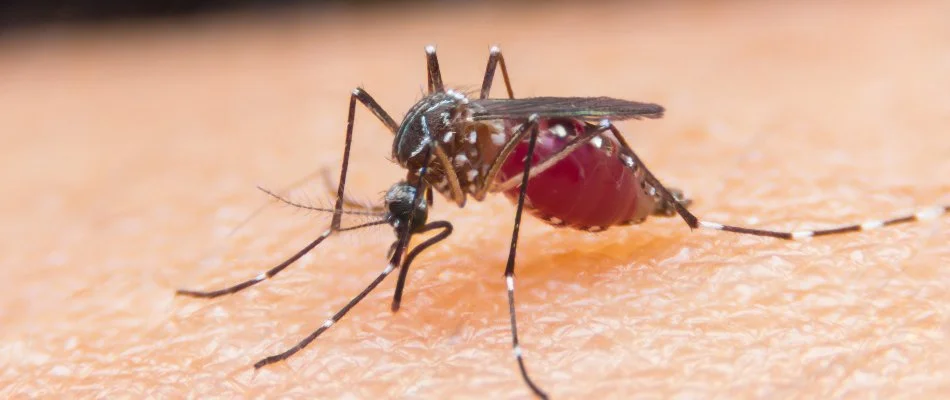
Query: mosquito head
x,y
399,202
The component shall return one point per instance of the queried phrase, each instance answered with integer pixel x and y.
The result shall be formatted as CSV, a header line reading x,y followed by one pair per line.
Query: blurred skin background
x,y
134,134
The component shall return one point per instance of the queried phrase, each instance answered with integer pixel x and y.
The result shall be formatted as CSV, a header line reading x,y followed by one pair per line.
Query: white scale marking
x,y
872,225
517,351
802,234
389,268
559,131
425,140
472,137
471,174
627,160
929,213
437,105
597,141
328,323
448,136
510,280
710,225
498,139
460,160
260,277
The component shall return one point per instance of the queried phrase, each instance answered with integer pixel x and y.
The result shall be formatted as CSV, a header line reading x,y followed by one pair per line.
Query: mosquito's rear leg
x,y
672,199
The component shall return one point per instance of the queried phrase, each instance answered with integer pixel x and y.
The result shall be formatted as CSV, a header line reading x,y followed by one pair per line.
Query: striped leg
x,y
367,101
533,129
329,322
403,234
922,215
694,222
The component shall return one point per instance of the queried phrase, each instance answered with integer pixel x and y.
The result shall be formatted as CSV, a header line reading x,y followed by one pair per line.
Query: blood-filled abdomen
x,y
594,187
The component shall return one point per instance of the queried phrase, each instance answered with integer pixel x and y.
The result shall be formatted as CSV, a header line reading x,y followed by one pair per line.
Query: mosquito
x,y
561,159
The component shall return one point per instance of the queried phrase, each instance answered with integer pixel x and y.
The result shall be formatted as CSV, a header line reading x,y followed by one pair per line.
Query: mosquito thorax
x,y
463,147
399,199
433,114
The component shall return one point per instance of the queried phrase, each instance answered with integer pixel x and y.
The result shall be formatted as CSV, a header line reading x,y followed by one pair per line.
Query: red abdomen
x,y
592,188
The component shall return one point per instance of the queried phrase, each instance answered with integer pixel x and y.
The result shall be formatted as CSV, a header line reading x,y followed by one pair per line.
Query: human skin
x,y
131,152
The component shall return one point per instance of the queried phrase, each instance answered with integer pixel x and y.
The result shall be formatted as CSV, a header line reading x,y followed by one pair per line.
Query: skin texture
x,y
129,153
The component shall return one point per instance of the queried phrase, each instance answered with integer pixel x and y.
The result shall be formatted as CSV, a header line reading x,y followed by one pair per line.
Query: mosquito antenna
x,y
261,208
312,208
348,201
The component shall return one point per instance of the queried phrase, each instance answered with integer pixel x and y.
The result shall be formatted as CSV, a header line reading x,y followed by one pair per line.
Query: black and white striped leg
x,y
433,73
696,223
402,242
532,126
332,320
368,101
273,271
495,59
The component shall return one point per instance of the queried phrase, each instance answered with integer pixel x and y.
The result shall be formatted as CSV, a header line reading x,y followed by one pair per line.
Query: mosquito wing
x,y
583,108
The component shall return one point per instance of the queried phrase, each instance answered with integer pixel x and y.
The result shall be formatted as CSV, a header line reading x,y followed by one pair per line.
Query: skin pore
x,y
134,151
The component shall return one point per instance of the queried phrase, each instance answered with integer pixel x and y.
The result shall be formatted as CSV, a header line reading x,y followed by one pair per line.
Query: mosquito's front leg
x,y
358,95
404,231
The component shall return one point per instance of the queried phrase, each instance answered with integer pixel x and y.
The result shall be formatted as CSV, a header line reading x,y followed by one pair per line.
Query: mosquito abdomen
x,y
592,188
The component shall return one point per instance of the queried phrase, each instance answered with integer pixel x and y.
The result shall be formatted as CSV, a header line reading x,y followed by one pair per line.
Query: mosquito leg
x,y
694,222
495,59
368,101
434,74
404,232
329,322
532,127
404,269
